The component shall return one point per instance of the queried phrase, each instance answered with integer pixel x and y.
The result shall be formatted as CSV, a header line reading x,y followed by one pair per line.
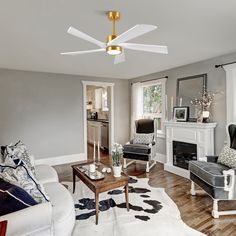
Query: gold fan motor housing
x,y
111,37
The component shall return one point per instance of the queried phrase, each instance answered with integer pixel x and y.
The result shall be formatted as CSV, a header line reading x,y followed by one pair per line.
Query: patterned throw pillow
x,y
227,157
19,151
143,138
13,198
16,172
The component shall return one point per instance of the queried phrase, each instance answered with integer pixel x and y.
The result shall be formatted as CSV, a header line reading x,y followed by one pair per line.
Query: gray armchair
x,y
217,180
141,151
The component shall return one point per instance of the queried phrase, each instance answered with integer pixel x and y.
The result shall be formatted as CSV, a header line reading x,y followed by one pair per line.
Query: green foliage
x,y
152,99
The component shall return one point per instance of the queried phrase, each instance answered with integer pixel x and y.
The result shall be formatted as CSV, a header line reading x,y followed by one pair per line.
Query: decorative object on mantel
x,y
181,113
204,103
116,154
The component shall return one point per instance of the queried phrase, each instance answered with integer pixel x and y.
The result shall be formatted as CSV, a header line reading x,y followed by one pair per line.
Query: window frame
x,y
160,133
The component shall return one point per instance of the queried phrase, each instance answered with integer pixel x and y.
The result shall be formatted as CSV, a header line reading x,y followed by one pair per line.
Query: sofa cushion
x,y
13,198
63,212
16,172
211,173
46,174
137,149
227,157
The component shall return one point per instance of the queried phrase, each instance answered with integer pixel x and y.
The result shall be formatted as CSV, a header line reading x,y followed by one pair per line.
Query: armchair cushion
x,y
228,157
137,148
211,173
143,138
212,159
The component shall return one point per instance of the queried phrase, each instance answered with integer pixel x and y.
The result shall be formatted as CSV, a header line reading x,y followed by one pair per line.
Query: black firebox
x,y
183,153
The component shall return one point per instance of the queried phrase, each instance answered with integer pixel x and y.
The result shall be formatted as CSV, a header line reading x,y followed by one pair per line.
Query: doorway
x,y
98,109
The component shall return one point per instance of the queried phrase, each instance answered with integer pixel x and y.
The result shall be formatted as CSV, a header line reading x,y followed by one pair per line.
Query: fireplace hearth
x,y
183,153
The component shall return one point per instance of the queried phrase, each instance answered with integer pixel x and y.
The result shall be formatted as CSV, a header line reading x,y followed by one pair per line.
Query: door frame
x,y
111,110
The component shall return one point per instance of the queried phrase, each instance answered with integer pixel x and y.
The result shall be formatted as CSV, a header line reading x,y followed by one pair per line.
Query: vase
x,y
117,170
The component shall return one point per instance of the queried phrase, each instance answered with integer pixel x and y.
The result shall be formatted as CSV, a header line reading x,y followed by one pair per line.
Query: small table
x,y
3,228
99,186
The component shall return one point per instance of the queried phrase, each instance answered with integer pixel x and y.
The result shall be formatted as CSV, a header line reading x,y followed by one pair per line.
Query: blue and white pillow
x,y
13,198
18,151
16,172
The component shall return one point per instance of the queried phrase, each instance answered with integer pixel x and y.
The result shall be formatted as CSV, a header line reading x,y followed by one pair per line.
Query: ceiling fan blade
x,y
119,58
86,37
134,32
145,47
83,52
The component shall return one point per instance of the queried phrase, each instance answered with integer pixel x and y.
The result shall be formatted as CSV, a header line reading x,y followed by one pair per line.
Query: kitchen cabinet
x,y
101,99
94,131
98,98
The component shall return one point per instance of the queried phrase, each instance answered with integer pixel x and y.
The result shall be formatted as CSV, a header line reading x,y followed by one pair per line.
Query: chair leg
x,y
147,167
215,212
193,191
125,165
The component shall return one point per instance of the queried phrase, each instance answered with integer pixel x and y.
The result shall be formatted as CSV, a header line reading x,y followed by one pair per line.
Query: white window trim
x,y
160,133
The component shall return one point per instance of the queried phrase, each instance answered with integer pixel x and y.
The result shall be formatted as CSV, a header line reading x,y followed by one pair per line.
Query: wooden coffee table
x,y
99,186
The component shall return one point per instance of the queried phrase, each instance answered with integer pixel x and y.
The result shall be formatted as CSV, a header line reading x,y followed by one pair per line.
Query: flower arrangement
x,y
117,154
204,103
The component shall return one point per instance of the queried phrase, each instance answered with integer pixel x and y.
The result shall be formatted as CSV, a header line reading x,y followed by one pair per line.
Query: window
x,y
153,102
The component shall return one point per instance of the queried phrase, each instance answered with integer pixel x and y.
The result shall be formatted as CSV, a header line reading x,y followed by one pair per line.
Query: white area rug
x,y
159,214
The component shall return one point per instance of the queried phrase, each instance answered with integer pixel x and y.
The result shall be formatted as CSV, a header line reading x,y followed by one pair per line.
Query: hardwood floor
x,y
195,210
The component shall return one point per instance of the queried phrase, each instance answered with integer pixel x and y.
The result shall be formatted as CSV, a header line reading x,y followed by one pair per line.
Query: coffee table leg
x,y
97,205
127,196
73,181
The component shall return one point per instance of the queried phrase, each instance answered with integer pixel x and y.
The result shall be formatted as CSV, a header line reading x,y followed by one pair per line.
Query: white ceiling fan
x,y
117,43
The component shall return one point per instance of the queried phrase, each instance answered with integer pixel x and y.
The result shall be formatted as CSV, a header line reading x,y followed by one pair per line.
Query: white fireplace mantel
x,y
201,134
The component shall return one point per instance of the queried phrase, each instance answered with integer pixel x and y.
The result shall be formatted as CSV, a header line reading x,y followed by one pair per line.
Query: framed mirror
x,y
189,88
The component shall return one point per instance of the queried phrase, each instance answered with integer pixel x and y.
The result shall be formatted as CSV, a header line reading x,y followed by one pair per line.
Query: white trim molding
x,y
111,121
230,92
59,160
160,158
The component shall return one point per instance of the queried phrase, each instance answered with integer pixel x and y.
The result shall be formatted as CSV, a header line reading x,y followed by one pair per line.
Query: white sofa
x,y
56,217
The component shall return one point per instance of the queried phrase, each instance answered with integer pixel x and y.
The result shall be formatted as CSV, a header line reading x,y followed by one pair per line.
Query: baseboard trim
x,y
160,158
59,160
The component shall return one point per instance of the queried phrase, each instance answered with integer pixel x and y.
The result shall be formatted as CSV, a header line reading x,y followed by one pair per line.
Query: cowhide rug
x,y
151,213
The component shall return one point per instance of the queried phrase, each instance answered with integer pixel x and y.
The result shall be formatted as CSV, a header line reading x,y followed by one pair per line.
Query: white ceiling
x,y
33,33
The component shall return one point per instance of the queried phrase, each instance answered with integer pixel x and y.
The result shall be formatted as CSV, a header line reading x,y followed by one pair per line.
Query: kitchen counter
x,y
98,120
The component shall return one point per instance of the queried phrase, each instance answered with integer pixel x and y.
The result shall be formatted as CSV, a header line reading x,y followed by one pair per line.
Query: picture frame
x,y
181,113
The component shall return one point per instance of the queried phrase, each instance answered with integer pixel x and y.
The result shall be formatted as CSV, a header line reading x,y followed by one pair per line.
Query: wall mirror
x,y
189,88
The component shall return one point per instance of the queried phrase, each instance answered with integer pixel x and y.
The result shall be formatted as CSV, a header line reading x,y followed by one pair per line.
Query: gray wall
x,y
216,82
44,110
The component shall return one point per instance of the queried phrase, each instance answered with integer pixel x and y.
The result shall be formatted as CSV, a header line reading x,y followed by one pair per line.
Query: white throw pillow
x,y
227,157
143,138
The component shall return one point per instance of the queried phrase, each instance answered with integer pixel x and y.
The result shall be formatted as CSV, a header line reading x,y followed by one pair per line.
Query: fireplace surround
x,y
195,138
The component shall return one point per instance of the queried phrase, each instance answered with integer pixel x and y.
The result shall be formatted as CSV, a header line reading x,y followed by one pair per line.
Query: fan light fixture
x,y
116,45
114,50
